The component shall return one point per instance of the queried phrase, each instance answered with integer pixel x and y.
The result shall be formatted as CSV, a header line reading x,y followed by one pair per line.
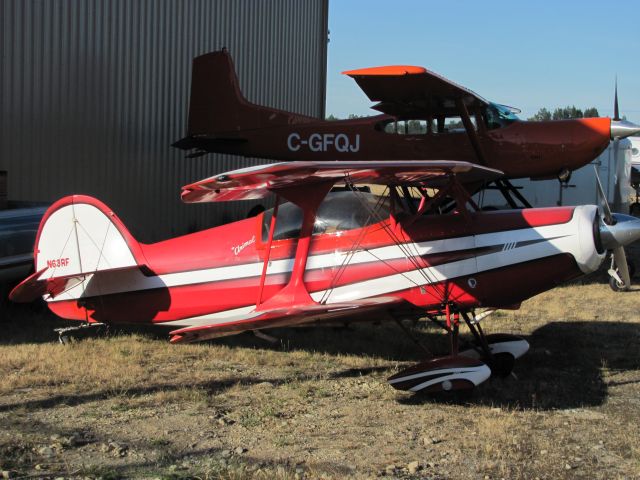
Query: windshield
x,y
497,116
339,211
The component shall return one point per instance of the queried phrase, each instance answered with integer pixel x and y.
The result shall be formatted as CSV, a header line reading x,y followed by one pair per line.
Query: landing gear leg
x,y
266,337
500,351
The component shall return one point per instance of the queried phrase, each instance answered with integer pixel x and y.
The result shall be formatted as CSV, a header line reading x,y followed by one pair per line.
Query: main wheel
x,y
502,364
617,286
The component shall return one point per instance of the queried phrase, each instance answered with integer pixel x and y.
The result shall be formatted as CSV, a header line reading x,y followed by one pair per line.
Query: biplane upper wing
x,y
406,91
257,182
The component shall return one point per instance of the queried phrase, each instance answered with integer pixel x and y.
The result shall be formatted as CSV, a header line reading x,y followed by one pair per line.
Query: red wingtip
x,y
390,70
29,289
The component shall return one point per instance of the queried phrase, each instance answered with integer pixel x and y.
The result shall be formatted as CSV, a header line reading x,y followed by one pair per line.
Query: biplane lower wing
x,y
279,317
258,182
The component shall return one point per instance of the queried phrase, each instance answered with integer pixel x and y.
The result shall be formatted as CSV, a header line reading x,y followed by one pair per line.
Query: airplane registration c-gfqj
x,y
323,256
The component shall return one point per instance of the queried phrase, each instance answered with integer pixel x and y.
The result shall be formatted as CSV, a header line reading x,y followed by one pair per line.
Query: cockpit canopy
x,y
338,212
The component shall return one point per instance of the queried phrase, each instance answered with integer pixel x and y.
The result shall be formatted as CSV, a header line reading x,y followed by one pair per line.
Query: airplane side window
x,y
455,124
417,127
405,127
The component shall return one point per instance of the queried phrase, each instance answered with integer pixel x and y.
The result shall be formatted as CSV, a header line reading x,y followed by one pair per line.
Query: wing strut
x,y
471,132
308,199
272,229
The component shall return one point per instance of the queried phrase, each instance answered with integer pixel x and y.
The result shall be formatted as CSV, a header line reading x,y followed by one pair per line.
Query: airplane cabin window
x,y
339,211
454,124
405,127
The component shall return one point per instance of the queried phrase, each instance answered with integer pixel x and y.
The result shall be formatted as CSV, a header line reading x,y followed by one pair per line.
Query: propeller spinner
x,y
616,231
621,128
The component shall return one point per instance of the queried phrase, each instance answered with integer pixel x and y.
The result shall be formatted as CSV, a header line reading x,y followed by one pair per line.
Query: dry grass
x,y
317,404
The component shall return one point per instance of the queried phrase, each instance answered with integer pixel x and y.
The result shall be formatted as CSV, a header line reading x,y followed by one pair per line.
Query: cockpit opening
x,y
340,211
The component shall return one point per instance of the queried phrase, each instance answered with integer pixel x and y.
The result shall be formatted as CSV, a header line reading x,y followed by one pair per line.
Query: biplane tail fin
x,y
78,236
219,114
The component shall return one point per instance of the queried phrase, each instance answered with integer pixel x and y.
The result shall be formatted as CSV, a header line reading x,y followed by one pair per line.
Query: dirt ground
x,y
317,405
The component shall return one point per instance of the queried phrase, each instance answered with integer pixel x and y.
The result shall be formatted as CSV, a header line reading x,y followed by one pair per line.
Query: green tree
x,y
567,113
542,115
591,112
564,113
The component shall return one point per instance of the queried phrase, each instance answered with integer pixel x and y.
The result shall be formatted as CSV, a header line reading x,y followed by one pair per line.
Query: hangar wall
x,y
93,93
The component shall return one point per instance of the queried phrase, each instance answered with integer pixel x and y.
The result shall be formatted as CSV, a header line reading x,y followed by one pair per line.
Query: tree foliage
x,y
564,113
351,116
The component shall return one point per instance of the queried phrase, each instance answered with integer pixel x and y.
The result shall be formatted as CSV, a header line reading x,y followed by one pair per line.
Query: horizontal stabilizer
x,y
206,142
38,285
258,182
32,288
219,112
280,317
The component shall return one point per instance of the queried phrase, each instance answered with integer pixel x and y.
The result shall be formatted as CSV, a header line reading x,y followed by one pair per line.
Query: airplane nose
x,y
623,129
624,230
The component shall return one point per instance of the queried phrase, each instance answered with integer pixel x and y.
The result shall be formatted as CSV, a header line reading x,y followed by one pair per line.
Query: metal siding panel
x,y
93,93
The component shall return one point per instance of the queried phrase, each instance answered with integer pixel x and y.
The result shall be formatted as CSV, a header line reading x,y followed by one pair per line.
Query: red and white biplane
x,y
327,255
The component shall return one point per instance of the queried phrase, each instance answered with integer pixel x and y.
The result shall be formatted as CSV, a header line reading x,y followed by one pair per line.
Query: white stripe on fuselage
x,y
557,239
134,280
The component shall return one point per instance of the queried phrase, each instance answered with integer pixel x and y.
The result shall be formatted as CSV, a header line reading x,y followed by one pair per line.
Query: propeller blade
x,y
616,112
620,260
608,218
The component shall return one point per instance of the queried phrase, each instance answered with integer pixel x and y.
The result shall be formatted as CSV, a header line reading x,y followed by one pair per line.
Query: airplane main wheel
x,y
620,286
617,286
502,364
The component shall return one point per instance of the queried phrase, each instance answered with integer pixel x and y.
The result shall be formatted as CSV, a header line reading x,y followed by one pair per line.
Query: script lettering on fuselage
x,y
324,142
239,248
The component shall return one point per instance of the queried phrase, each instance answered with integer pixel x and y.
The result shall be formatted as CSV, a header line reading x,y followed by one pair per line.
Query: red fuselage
x,y
491,259
520,149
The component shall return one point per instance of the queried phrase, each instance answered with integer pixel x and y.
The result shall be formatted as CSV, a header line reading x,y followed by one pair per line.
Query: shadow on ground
x,y
563,369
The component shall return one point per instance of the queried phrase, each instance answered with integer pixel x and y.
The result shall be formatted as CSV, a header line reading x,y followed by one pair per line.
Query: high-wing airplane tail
x,y
219,113
79,238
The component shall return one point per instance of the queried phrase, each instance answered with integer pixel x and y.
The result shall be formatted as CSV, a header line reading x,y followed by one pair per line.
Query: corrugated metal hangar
x,y
93,93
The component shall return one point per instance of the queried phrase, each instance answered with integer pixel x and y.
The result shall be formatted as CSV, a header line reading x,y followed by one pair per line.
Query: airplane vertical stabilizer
x,y
218,112
78,237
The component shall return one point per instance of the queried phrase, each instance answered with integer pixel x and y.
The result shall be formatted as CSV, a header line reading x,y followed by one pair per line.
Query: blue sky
x,y
525,54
